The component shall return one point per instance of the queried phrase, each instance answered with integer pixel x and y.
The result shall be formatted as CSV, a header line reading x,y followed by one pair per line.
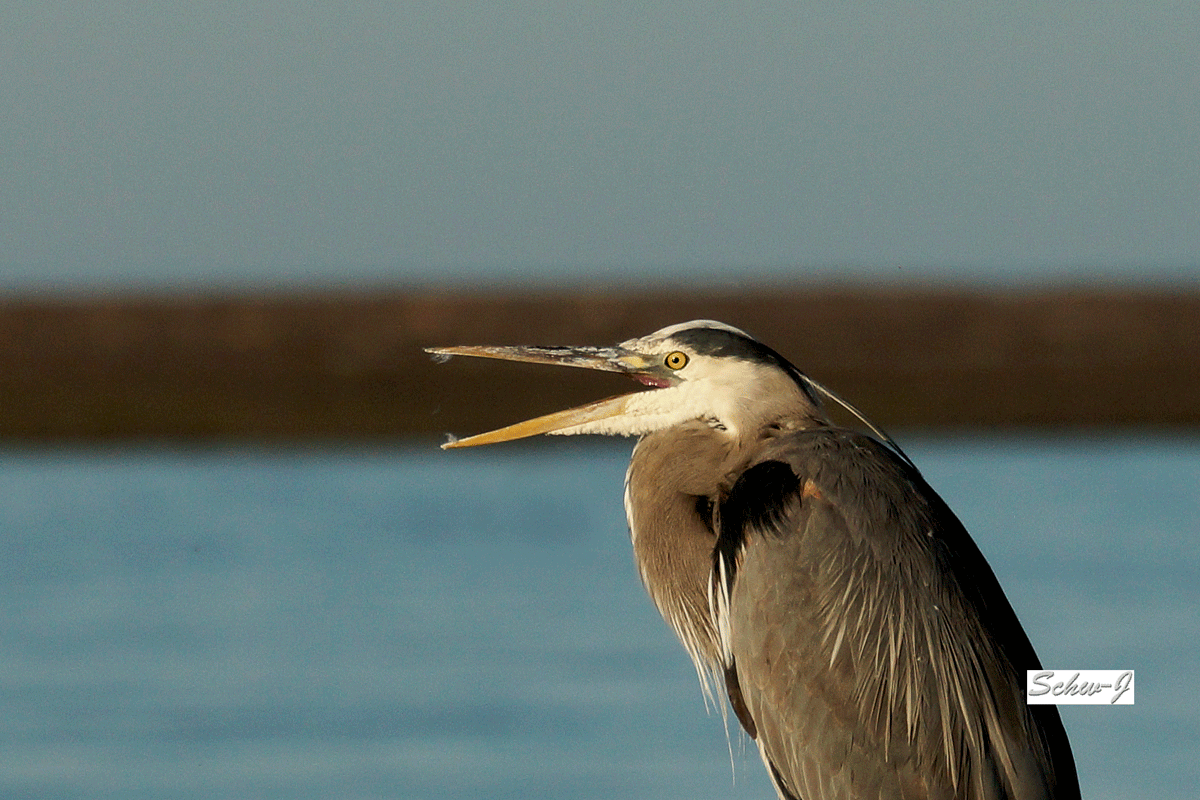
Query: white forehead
x,y
660,336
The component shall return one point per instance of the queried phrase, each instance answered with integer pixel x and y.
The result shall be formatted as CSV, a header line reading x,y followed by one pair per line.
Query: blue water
x,y
419,624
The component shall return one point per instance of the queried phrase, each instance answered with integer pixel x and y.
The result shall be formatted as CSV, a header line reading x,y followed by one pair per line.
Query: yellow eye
x,y
676,360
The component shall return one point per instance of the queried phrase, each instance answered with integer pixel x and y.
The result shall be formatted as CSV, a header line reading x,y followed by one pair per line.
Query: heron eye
x,y
676,360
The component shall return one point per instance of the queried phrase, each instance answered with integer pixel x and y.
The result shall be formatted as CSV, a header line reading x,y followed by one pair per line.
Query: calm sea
x,y
418,624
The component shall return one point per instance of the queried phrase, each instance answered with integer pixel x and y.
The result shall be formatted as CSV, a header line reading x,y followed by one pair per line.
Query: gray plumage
x,y
812,573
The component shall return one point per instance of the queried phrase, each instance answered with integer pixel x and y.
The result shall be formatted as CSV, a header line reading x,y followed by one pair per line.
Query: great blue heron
x,y
862,639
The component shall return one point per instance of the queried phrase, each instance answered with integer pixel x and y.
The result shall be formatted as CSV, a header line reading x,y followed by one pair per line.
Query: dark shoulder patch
x,y
760,497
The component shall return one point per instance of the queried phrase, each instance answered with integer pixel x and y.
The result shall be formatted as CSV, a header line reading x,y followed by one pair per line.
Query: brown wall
x,y
350,366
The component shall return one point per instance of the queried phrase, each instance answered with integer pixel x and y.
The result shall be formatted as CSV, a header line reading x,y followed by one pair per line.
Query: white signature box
x,y
1079,687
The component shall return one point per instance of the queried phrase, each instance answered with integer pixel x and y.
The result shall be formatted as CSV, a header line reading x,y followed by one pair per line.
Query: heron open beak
x,y
608,359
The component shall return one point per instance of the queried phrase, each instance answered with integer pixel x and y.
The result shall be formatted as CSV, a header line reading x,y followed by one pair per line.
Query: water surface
x,y
419,624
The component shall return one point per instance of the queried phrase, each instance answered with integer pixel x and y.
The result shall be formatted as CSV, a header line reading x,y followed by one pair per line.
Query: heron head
x,y
702,370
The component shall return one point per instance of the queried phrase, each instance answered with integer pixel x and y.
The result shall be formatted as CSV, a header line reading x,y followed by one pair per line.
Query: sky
x,y
269,143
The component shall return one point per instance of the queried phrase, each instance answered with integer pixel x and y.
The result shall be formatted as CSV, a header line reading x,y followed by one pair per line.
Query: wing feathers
x,y
875,651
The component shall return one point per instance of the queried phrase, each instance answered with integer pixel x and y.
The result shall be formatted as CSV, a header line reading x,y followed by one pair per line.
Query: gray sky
x,y
270,142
